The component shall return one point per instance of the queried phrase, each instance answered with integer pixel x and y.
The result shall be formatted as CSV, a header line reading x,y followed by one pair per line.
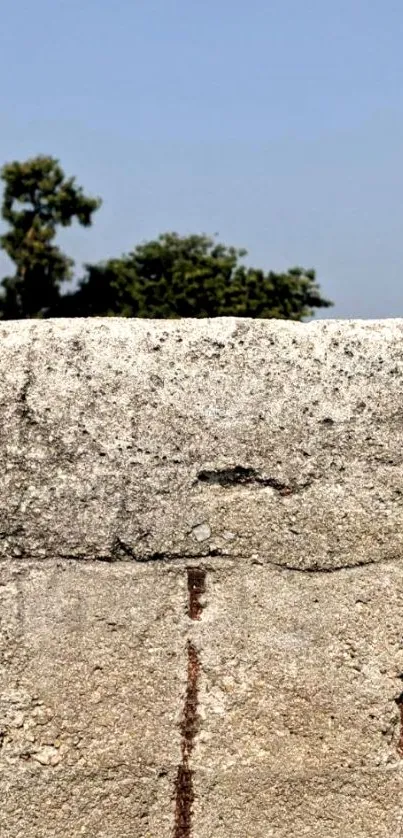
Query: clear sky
x,y
276,123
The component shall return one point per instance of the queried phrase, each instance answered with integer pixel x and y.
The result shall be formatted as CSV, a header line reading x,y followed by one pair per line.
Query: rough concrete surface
x,y
201,579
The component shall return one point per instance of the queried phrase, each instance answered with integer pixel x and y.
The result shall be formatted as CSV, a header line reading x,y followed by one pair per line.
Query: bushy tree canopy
x,y
192,276
170,277
37,199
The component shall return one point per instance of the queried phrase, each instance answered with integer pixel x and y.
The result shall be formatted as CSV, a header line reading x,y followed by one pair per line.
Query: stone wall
x,y
201,579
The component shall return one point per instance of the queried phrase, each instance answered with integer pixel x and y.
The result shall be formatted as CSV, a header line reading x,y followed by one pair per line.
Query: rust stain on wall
x,y
184,797
196,588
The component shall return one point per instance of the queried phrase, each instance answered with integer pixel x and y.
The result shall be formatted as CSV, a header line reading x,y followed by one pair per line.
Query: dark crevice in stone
x,y
242,476
122,553
399,702
18,531
327,570
196,588
25,410
110,558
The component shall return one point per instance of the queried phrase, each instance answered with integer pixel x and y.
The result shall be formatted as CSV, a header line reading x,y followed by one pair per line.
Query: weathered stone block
x,y
201,579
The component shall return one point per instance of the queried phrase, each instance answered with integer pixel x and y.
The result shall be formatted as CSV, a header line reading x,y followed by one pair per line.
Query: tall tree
x,y
192,276
38,199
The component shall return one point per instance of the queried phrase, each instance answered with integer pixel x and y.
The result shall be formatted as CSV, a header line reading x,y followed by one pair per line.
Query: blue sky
x,y
276,123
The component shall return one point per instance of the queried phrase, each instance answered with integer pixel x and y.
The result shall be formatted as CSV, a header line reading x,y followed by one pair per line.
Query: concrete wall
x,y
201,579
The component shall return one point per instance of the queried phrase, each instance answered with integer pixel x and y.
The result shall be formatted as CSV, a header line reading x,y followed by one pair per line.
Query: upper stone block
x,y
268,441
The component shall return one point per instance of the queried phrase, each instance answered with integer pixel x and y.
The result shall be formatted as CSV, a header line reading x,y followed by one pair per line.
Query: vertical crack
x,y
189,724
399,702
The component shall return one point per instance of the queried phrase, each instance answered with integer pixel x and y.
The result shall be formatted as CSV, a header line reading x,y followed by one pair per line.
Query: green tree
x,y
38,199
191,276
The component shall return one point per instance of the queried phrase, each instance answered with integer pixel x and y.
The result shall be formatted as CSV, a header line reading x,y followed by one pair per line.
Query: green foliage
x,y
191,276
173,276
37,199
